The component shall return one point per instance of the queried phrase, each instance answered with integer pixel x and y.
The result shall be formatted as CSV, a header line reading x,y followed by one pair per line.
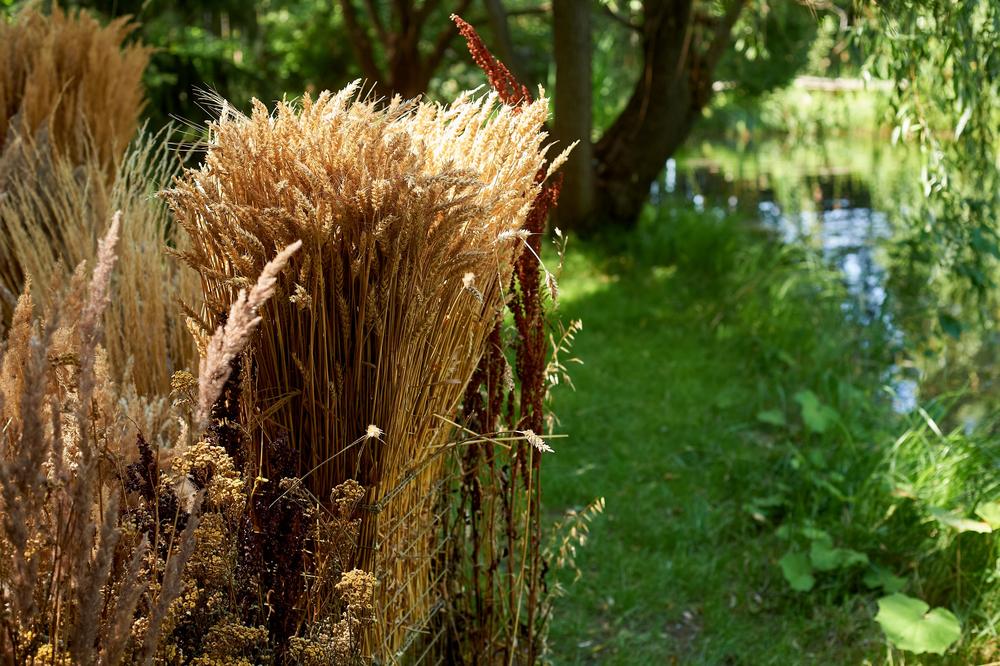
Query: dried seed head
x,y
537,441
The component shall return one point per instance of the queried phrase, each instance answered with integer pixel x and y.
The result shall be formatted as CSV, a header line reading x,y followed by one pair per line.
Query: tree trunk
x,y
571,35
657,118
504,43
680,51
405,66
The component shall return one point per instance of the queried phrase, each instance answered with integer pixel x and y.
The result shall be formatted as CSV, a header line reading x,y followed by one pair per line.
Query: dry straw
x,y
409,216
70,99
78,81
102,562
50,212
61,546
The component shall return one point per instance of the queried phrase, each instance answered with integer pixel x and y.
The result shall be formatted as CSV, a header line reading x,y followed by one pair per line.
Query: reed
x,y
410,216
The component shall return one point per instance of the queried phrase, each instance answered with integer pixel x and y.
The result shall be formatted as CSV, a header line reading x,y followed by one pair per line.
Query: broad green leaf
x,y
825,557
959,523
817,458
774,417
908,624
817,416
814,533
726,399
758,507
990,512
797,570
879,577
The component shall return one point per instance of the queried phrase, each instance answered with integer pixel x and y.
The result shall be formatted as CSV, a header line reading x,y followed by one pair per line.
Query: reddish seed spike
x,y
506,85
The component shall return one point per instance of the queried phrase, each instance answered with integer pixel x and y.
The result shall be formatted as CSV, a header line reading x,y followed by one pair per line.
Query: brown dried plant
x,y
70,98
499,598
62,548
374,332
79,82
103,562
50,213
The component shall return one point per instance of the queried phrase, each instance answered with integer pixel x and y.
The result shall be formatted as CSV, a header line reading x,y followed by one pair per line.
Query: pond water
x,y
840,200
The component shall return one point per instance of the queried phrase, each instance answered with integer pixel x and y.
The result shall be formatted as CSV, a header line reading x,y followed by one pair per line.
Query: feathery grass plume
x,y
74,80
395,205
73,565
50,213
230,338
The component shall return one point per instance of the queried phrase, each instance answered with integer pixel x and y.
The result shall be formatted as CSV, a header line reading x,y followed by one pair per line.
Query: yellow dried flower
x,y
357,589
211,468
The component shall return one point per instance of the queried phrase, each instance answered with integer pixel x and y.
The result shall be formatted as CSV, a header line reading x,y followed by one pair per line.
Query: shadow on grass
x,y
693,325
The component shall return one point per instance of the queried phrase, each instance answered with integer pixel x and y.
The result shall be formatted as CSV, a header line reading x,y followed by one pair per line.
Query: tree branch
x,y
443,40
505,45
360,43
618,18
531,11
424,12
376,20
723,34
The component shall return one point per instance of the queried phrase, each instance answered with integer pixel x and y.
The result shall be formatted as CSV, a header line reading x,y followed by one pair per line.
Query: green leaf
x,y
814,533
759,507
817,416
951,326
773,417
959,523
878,577
825,557
797,570
990,512
908,624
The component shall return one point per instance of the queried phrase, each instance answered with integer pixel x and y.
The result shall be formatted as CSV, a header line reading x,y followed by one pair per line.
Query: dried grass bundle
x,y
66,74
410,217
50,213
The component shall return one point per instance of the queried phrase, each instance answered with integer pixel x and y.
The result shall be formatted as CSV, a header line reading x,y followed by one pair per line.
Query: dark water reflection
x,y
839,208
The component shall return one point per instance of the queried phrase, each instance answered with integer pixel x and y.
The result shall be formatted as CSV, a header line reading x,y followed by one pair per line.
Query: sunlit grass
x,y
687,336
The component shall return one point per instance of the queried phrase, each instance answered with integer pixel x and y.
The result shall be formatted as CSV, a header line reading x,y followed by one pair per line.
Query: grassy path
x,y
663,425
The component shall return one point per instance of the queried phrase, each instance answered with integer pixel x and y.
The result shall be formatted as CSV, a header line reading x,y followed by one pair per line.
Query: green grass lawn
x,y
682,348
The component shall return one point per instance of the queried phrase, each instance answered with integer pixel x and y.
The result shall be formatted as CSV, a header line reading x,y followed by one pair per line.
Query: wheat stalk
x,y
408,215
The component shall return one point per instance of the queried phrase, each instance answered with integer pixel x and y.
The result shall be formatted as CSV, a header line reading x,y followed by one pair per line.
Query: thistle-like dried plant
x,y
401,207
79,82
